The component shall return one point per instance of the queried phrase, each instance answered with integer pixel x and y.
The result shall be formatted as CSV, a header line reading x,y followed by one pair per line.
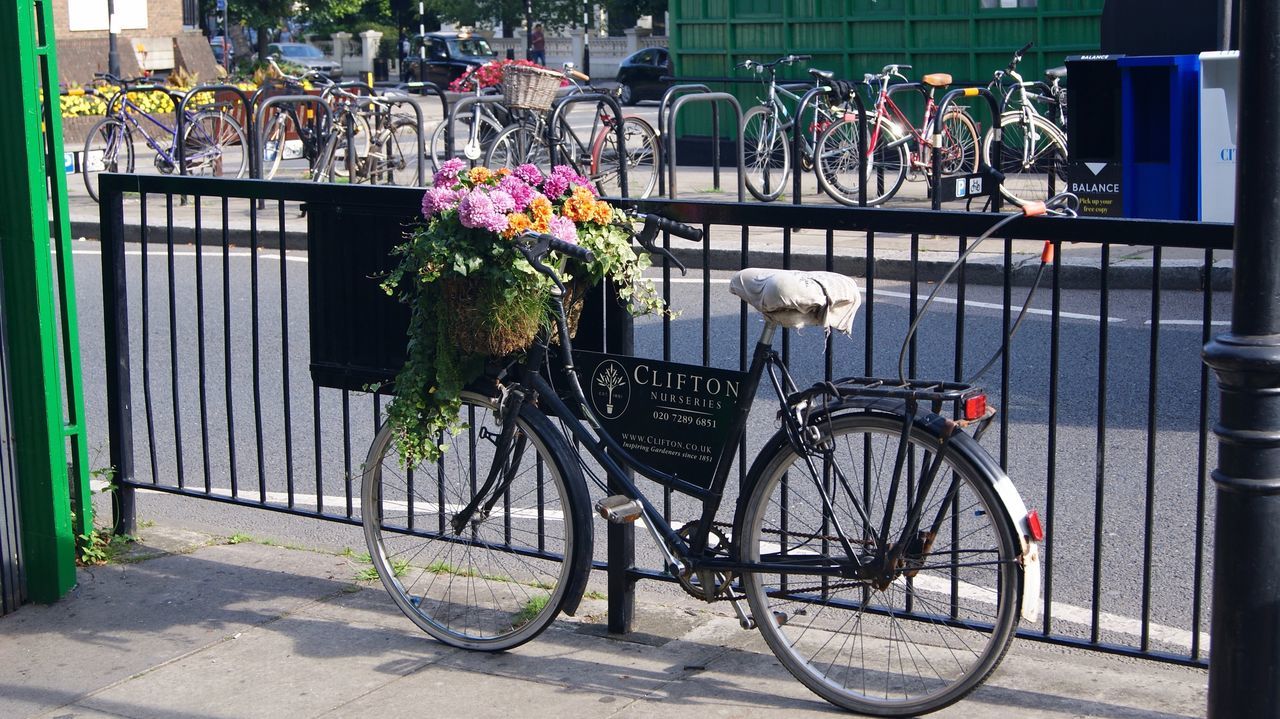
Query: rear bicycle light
x,y
975,407
1034,527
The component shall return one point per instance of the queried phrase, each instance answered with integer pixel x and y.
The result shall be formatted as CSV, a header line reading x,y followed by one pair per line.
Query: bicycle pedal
x,y
619,509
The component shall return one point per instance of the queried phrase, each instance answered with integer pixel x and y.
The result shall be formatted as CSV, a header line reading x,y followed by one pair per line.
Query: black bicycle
x,y
882,553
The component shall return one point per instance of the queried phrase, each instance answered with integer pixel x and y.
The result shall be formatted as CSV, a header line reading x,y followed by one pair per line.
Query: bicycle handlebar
x,y
679,229
1017,57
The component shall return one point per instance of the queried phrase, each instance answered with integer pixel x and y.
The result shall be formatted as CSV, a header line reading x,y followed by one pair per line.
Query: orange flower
x,y
517,222
504,171
480,175
580,207
603,213
540,208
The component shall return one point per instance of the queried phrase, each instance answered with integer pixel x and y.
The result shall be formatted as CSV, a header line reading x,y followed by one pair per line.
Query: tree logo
x,y
610,390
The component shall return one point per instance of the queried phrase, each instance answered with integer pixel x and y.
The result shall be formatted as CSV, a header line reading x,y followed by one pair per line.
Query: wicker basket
x,y
529,88
474,326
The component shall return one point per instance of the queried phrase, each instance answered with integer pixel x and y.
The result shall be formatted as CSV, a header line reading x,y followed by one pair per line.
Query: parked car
x,y
448,55
306,55
640,75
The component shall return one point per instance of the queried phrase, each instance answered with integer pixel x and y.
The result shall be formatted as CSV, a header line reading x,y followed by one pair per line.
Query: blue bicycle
x,y
212,142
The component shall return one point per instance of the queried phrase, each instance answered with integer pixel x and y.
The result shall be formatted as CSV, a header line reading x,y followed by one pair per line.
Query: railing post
x,y
1244,674
115,329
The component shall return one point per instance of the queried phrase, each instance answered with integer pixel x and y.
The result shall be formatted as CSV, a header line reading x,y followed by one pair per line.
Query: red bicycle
x,y
895,146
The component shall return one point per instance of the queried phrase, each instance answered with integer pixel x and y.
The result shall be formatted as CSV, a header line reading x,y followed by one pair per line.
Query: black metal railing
x,y
1104,404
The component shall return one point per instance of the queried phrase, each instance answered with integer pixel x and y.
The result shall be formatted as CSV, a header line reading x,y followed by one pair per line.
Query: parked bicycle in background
x,y
896,147
212,143
594,153
766,128
1035,148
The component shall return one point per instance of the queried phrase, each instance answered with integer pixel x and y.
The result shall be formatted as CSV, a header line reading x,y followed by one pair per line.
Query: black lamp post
x,y
113,56
1244,670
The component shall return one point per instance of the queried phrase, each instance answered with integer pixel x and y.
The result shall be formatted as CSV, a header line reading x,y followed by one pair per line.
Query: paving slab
x,y
193,628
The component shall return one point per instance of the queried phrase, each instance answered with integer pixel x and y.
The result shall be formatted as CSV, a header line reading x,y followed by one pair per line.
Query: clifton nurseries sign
x,y
673,416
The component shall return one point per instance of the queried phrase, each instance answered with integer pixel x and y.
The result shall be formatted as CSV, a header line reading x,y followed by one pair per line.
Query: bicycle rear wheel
x,y
766,154
1034,161
396,159
213,143
837,161
911,640
640,145
503,577
959,144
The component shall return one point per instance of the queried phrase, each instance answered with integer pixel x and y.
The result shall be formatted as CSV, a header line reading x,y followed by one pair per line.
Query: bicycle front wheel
x,y
959,144
499,580
213,143
917,636
108,148
836,156
766,154
1034,161
464,130
640,147
517,145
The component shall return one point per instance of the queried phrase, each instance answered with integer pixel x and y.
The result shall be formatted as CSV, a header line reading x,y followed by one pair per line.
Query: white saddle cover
x,y
800,299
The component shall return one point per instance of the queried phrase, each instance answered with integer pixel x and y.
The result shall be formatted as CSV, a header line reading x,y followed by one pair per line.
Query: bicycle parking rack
x,y
670,136
464,104
797,143
385,116
427,88
663,108
985,173
255,164
557,115
181,120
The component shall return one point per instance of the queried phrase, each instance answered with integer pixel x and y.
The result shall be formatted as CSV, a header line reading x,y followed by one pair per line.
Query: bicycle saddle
x,y
798,299
822,74
1056,73
937,79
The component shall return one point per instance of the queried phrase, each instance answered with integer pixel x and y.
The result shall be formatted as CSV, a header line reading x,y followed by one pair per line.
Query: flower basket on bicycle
x,y
529,87
474,296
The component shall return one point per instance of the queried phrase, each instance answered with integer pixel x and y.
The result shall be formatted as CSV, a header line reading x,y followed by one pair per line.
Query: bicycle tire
x,y
766,154
489,129
1034,169
836,156
519,145
505,577
951,608
641,144
102,148
959,144
396,159
275,144
211,143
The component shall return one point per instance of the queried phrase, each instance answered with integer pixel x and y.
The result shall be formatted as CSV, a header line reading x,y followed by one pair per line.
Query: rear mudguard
x,y
961,443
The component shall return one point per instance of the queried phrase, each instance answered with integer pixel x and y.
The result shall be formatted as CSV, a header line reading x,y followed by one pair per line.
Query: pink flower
x,y
476,210
502,200
521,192
437,200
561,179
448,172
529,173
562,228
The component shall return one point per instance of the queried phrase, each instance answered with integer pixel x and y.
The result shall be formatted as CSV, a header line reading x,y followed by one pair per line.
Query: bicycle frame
x,y
886,110
688,556
127,114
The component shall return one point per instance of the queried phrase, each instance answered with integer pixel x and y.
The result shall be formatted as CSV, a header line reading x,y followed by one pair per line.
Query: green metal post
x,y
30,177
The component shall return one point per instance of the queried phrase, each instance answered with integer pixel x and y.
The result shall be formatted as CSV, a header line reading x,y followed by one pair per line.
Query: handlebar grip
x,y
801,58
582,77
679,229
578,252
1024,49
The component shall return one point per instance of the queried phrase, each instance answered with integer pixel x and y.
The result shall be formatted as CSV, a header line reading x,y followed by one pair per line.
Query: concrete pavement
x,y
193,626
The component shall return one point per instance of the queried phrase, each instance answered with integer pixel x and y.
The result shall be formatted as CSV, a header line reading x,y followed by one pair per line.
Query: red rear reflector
x,y
1034,526
975,407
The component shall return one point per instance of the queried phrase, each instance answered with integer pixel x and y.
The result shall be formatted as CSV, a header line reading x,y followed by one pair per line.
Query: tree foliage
x,y
553,14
